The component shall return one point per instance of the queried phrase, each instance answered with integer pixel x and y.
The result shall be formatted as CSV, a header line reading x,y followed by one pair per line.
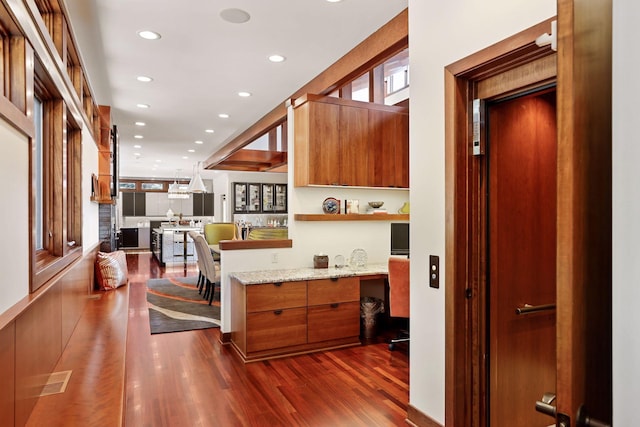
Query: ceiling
x,y
201,62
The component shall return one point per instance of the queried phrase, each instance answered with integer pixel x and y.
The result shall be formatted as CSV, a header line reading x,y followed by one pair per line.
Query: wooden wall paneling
x,y
354,152
7,384
38,347
75,287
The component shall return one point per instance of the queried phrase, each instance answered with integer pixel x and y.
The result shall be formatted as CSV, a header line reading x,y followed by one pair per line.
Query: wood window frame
x,y
62,186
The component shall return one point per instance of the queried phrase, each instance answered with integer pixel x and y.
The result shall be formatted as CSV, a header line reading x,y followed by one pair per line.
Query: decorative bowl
x,y
376,205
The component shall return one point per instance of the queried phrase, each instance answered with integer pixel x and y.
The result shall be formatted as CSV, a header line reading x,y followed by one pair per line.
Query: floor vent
x,y
95,296
57,383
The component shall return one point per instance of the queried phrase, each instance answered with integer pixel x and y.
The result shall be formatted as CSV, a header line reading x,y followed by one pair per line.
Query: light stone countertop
x,y
291,275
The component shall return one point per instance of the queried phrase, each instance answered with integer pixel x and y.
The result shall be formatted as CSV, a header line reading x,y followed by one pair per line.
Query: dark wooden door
x,y
522,257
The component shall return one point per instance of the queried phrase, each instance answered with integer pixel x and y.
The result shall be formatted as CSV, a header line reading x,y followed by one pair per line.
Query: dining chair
x,y
398,278
211,267
199,259
217,231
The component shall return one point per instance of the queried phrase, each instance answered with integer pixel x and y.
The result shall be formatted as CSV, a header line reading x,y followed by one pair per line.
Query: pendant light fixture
x,y
196,185
176,191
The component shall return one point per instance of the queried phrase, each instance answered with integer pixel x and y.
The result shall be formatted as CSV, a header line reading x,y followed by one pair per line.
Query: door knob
x,y
583,420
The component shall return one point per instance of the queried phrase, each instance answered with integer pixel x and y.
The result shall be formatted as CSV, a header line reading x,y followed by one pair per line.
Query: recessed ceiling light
x,y
141,124
143,106
144,79
223,116
199,142
244,94
149,35
138,136
235,16
158,161
137,146
136,154
277,58
191,150
185,157
209,130
334,1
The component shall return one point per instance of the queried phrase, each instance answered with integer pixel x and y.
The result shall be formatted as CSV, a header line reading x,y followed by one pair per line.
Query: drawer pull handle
x,y
335,279
277,312
278,284
335,305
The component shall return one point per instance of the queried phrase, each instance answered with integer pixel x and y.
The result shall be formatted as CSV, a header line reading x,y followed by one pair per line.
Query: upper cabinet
x,y
350,143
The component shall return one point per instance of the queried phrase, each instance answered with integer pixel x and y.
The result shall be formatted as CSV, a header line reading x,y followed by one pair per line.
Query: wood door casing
x,y
522,256
465,259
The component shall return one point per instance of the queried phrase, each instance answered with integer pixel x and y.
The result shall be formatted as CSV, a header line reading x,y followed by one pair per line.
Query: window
x,y
360,88
57,182
152,186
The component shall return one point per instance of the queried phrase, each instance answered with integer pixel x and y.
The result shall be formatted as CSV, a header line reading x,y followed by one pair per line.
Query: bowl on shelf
x,y
376,205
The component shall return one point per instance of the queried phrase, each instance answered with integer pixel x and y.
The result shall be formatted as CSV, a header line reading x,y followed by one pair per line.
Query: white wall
x,y
14,253
626,213
90,227
440,34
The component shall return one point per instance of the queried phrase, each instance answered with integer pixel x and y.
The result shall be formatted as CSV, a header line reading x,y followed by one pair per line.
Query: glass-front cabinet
x,y
280,198
246,197
257,197
267,197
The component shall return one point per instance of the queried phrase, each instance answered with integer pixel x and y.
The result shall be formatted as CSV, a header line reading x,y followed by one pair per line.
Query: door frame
x,y
466,210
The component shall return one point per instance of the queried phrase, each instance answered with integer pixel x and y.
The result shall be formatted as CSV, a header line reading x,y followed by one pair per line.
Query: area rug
x,y
175,305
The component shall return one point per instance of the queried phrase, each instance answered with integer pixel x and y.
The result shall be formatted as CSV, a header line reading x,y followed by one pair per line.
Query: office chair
x,y
399,294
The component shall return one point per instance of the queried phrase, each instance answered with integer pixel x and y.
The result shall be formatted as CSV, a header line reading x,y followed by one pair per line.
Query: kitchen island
x,y
172,244
278,313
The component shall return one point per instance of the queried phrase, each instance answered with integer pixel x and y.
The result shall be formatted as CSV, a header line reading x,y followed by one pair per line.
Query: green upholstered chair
x,y
268,233
214,233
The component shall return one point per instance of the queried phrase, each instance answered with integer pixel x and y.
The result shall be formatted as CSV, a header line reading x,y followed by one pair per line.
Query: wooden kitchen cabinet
x,y
350,143
277,319
333,309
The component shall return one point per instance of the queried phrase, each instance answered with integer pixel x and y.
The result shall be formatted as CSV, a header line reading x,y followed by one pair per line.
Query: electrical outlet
x,y
274,258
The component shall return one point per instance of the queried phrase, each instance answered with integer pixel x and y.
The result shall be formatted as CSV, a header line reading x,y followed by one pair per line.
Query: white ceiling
x,y
202,62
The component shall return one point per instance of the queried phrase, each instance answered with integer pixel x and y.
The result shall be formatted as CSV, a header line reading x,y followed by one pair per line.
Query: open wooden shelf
x,y
351,217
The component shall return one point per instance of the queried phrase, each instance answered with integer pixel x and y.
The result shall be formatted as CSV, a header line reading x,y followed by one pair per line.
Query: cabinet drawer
x,y
276,296
329,291
276,329
333,321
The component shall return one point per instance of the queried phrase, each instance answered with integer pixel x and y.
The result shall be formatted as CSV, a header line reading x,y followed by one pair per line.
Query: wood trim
x,y
232,245
419,419
18,119
465,239
584,212
391,38
351,217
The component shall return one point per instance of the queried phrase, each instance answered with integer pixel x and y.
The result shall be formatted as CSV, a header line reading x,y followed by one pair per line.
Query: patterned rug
x,y
175,305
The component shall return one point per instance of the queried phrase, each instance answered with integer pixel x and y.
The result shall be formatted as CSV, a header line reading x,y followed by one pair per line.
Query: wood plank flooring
x,y
192,379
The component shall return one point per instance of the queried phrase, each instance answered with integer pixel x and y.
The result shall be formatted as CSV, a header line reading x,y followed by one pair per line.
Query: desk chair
x,y
217,231
399,294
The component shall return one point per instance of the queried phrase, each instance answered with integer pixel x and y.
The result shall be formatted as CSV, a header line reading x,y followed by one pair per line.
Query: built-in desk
x,y
283,312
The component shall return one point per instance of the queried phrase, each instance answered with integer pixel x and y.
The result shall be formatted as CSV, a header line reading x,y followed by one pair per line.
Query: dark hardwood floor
x,y
192,379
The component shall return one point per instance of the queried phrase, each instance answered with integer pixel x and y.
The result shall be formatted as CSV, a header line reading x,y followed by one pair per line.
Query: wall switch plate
x,y
434,271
